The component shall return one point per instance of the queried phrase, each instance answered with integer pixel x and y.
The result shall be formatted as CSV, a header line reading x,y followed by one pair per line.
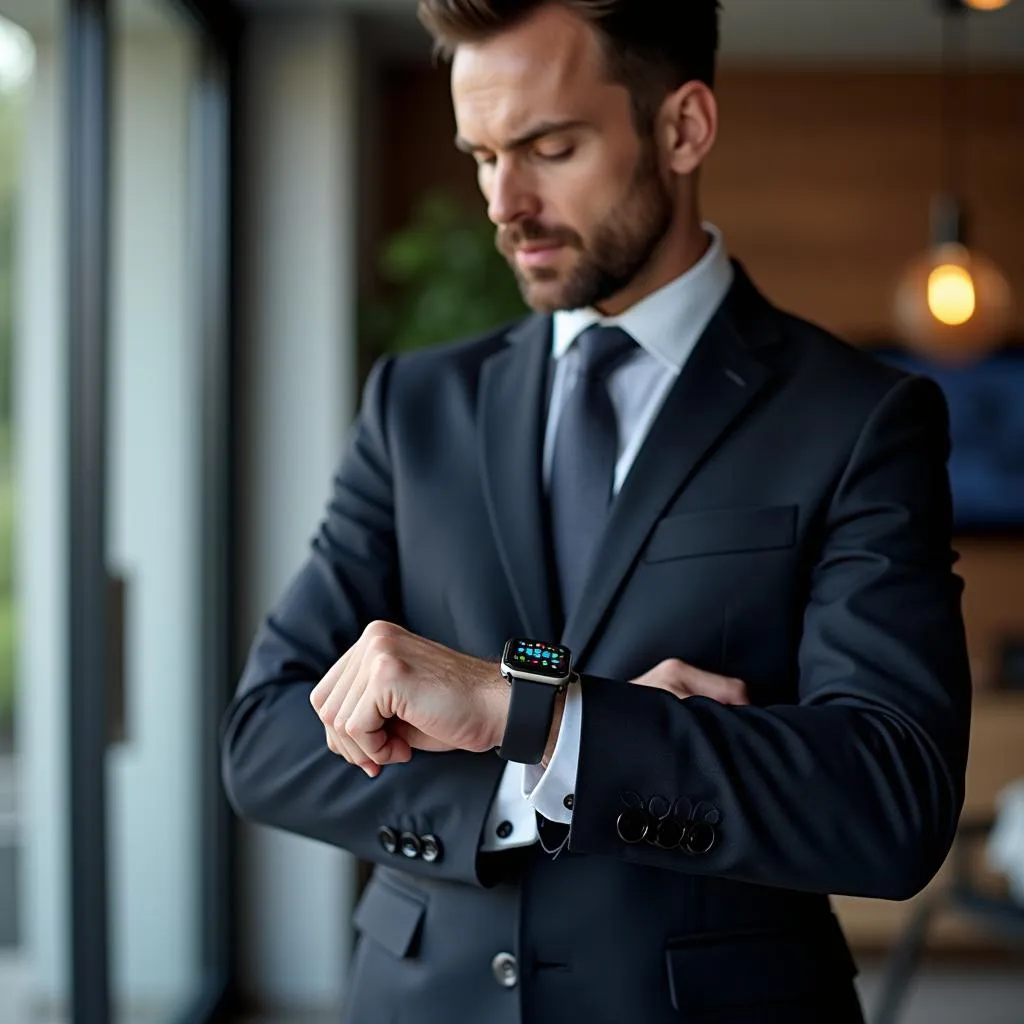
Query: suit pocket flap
x,y
390,917
708,972
728,530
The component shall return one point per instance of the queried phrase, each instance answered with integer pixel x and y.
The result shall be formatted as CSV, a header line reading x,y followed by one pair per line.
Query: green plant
x,y
8,650
12,122
445,280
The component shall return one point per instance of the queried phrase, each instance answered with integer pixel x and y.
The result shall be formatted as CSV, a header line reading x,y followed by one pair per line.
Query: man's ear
x,y
688,126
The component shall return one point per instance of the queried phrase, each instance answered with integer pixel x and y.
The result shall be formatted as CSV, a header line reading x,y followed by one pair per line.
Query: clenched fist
x,y
392,692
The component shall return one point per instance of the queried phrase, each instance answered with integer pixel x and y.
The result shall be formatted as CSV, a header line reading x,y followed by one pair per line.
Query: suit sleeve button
x,y
669,834
699,838
388,839
431,847
411,845
659,808
632,826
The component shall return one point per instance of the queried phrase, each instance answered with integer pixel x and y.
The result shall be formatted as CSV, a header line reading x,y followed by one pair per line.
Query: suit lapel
x,y
512,413
718,384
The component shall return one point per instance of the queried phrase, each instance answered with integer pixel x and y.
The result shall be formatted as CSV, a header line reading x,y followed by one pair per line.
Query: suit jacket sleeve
x,y
857,787
276,766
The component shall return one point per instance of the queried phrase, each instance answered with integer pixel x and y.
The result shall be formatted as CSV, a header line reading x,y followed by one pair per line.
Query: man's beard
x,y
622,246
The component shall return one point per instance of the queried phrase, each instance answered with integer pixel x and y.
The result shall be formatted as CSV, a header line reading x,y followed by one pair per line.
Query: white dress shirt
x,y
666,327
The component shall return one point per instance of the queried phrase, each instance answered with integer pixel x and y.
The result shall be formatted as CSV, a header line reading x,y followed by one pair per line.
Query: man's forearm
x,y
279,772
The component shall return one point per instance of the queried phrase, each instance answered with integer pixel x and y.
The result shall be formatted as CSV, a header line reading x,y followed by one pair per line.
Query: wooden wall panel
x,y
821,182
417,140
993,572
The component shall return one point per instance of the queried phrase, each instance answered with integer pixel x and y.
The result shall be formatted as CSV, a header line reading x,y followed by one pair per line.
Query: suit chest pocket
x,y
720,532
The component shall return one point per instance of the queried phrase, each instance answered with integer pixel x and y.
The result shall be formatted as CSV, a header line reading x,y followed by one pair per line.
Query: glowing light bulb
x,y
986,5
953,304
951,296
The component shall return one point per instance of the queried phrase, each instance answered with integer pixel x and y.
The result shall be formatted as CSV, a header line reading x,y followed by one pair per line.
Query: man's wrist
x,y
501,693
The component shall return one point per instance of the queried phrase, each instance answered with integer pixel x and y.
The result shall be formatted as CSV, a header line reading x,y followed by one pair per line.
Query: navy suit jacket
x,y
787,522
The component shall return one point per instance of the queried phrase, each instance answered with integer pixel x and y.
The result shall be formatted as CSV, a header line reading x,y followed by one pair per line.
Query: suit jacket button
x,y
505,970
431,848
699,838
411,845
388,838
632,826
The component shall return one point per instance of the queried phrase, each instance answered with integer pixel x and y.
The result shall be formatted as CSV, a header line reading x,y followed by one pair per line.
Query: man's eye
x,y
556,155
486,161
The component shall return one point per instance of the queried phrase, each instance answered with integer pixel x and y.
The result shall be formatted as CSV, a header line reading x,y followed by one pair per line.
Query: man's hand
x,y
686,681
393,691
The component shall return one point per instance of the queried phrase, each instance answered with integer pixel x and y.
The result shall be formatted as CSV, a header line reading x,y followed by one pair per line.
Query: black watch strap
x,y
530,711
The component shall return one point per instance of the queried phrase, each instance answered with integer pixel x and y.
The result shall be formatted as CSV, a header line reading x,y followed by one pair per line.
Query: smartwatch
x,y
537,672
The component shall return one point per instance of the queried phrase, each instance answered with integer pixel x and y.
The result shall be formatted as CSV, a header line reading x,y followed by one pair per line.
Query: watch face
x,y
537,658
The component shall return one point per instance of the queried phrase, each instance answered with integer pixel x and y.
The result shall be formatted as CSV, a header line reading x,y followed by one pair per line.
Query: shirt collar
x,y
667,323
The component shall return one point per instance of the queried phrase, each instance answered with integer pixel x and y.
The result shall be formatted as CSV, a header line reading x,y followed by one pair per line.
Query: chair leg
x,y
902,962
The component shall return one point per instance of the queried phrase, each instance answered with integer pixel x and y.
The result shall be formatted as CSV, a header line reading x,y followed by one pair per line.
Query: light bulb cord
x,y
953,126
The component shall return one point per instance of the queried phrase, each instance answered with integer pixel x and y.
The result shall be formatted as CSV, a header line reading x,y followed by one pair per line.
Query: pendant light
x,y
953,304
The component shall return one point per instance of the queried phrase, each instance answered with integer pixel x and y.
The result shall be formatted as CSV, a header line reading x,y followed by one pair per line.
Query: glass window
x,y
33,908
166,275
154,541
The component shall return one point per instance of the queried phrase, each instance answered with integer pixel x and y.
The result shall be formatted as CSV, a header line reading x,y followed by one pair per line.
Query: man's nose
x,y
509,197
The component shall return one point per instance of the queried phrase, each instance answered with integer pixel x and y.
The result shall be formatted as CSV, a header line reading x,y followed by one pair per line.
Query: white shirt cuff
x,y
551,791
511,821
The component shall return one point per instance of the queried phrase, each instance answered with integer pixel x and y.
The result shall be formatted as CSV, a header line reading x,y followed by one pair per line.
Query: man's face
x,y
576,195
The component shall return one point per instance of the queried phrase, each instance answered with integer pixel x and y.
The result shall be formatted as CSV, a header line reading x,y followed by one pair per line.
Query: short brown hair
x,y
652,46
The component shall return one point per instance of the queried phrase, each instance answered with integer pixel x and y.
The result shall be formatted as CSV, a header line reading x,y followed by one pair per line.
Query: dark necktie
x,y
583,465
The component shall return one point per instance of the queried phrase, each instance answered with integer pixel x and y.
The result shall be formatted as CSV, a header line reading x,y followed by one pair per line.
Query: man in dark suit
x,y
733,527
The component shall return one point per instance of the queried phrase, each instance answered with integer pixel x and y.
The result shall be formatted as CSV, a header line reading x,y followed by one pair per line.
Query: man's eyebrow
x,y
527,138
